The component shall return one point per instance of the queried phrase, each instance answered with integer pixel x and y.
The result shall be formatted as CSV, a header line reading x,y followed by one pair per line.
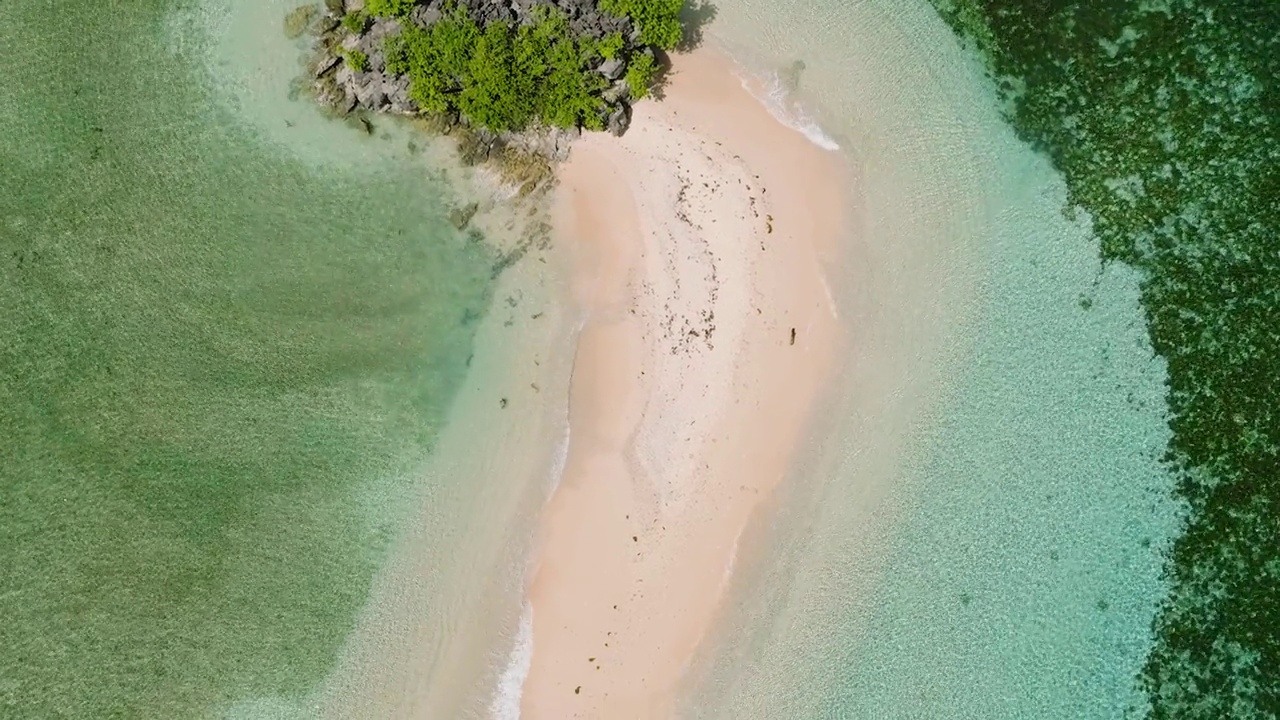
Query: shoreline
x,y
436,633
698,247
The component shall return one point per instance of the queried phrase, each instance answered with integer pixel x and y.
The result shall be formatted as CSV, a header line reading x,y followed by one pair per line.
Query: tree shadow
x,y
662,77
695,16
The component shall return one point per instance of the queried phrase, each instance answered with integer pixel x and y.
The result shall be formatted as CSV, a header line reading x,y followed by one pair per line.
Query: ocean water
x,y
231,332
978,529
237,335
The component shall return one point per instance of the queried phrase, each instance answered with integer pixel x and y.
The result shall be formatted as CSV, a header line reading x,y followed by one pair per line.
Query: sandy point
x,y
699,241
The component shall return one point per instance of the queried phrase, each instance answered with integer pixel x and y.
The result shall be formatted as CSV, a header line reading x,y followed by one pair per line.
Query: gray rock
x,y
345,78
334,6
563,140
370,94
326,63
461,216
612,69
381,28
617,92
397,89
619,120
523,10
367,87
325,25
426,15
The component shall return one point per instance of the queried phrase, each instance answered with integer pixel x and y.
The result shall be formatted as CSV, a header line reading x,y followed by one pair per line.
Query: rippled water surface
x,y
232,329
224,355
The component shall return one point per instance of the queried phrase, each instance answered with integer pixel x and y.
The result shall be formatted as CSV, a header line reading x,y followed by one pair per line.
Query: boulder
x,y
617,92
523,10
335,7
563,140
612,69
619,120
426,15
326,63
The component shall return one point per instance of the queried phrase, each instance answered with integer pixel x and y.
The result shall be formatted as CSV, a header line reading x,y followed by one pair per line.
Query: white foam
x,y
506,699
774,96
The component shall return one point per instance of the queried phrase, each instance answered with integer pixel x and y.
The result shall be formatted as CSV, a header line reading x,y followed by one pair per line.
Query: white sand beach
x,y
699,241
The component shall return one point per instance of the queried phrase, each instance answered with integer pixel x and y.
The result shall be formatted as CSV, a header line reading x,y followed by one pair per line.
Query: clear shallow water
x,y
225,355
233,327
985,537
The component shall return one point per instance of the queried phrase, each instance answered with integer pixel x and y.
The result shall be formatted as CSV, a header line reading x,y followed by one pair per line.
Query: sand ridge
x,y
699,241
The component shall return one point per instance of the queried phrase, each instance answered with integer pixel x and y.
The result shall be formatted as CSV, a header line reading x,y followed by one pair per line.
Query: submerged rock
x,y
460,217
298,20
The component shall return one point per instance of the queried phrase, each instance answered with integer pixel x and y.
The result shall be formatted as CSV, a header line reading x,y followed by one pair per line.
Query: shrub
x,y
610,45
640,74
355,22
389,8
499,76
356,60
658,20
497,92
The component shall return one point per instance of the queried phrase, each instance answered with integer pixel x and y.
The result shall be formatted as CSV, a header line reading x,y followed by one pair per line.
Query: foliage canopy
x,y
640,75
388,8
500,76
356,60
658,20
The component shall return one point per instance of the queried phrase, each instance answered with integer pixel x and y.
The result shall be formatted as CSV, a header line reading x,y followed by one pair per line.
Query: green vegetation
x,y
640,74
611,45
388,8
356,60
658,20
1163,120
500,76
355,22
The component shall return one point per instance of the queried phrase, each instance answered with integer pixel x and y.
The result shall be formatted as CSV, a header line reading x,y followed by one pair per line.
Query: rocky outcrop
x,y
365,85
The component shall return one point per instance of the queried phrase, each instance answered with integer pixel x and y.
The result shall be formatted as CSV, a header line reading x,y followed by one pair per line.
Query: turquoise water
x,y
232,329
1164,120
983,534
220,366
1025,570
